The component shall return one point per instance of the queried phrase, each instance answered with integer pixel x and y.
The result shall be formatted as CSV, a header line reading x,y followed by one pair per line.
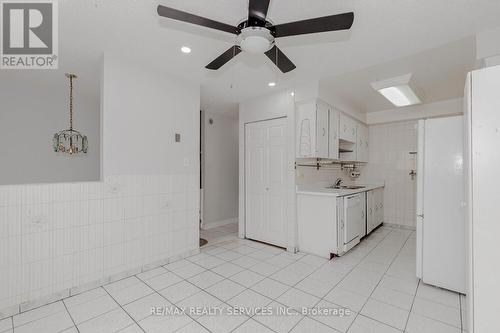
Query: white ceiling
x,y
437,74
383,30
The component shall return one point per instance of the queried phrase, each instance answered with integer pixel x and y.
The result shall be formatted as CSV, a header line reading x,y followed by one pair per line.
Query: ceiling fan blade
x,y
194,19
224,58
320,24
280,60
257,12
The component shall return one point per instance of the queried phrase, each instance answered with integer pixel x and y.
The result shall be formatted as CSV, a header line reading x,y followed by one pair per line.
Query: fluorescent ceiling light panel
x,y
397,90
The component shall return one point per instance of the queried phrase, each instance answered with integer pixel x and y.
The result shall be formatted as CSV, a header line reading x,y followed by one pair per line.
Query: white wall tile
x,y
390,162
60,236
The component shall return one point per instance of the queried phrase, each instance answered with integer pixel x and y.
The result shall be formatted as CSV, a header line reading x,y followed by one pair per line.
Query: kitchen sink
x,y
346,187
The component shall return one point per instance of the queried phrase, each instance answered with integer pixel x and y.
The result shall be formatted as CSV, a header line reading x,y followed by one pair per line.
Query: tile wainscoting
x,y
60,239
390,162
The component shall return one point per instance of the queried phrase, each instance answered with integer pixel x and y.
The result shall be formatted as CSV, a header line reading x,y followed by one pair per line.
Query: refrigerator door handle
x,y
420,215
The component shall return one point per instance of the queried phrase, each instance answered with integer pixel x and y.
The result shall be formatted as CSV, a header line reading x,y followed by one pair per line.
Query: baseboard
x,y
26,306
211,225
399,226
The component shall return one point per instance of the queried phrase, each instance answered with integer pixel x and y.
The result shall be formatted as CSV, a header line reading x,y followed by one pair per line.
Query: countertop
x,y
321,189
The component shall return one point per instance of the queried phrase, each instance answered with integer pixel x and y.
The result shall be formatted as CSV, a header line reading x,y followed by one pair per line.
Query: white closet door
x,y
265,181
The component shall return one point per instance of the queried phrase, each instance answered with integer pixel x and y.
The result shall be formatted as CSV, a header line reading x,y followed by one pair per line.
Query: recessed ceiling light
x,y
292,93
400,96
271,84
397,90
185,49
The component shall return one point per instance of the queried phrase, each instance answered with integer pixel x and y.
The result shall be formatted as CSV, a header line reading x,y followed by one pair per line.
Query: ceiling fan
x,y
257,35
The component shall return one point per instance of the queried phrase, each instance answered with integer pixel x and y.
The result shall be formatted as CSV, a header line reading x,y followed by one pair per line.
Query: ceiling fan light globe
x,y
256,40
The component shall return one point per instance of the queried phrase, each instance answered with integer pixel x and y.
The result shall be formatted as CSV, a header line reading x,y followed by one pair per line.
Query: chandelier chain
x,y
71,102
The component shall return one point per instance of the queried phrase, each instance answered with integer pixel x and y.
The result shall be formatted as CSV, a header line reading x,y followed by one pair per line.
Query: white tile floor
x,y
220,234
375,282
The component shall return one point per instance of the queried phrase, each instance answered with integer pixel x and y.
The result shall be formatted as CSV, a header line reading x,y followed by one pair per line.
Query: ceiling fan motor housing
x,y
255,39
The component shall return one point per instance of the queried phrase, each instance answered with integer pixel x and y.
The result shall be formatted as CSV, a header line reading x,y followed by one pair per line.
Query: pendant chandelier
x,y
70,141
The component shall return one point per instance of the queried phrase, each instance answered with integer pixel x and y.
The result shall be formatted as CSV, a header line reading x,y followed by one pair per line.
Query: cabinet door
x,y
306,130
381,206
333,147
370,211
362,150
321,131
378,207
363,231
347,128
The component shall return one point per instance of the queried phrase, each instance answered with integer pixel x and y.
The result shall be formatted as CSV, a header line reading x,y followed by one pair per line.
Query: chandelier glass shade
x,y
70,141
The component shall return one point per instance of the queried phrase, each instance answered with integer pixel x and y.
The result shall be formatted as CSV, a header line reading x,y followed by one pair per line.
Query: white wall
x,y
276,105
34,108
316,89
132,142
56,237
488,44
390,162
220,176
445,108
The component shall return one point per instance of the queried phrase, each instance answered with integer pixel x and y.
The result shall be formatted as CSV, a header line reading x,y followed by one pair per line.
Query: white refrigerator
x,y
482,163
441,246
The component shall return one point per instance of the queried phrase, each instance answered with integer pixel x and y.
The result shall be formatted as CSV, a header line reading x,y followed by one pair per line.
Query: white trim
x,y
211,225
446,108
399,226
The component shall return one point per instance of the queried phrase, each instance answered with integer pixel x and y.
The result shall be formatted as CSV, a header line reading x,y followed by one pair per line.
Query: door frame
x,y
287,225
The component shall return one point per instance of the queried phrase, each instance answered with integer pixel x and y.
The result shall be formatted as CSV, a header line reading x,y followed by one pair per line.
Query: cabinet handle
x,y
324,132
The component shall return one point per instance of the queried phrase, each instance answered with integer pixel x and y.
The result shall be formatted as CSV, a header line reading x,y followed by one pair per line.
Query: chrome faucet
x,y
338,182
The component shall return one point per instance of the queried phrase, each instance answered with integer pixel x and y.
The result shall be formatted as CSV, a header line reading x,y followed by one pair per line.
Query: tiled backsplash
x,y
390,162
310,175
57,236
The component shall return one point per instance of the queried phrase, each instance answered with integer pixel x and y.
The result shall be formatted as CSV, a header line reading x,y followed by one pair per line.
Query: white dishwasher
x,y
354,222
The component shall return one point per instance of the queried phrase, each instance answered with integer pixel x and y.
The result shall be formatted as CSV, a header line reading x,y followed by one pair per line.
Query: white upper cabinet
x,y
312,129
362,142
333,147
347,128
324,132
